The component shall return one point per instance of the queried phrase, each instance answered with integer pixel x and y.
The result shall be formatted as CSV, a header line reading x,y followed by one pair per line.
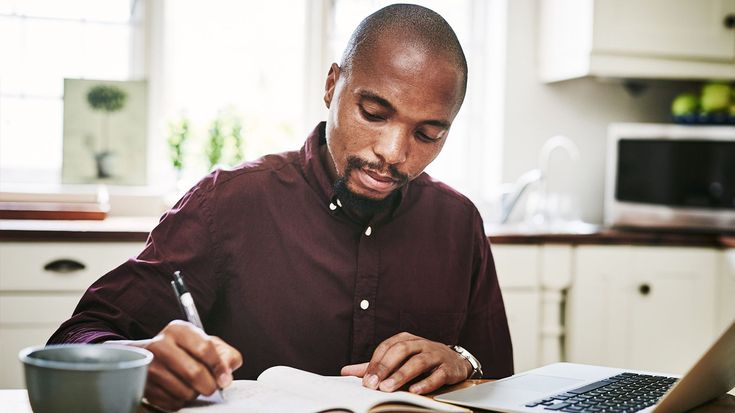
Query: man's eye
x,y
426,138
370,117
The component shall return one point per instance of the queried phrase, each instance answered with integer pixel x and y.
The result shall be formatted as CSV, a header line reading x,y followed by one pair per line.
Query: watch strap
x,y
476,366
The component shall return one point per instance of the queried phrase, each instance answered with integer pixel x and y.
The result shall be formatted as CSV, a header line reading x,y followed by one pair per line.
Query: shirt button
x,y
364,304
368,231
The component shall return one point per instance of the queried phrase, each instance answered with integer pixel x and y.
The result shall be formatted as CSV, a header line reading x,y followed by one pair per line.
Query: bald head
x,y
410,25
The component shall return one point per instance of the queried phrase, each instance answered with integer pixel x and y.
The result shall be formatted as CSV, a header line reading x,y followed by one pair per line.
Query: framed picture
x,y
105,127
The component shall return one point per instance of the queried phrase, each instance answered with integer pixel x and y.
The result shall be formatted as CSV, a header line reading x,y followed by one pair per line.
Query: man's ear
x,y
332,77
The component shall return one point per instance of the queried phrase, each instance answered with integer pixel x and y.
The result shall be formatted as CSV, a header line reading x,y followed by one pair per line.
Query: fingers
x,y
354,370
404,357
388,356
435,380
395,368
165,390
388,343
173,357
160,398
186,363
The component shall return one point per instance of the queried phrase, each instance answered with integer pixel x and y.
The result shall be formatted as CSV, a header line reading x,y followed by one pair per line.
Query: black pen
x,y
187,306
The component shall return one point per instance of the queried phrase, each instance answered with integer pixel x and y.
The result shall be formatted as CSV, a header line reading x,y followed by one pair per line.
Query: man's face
x,y
390,116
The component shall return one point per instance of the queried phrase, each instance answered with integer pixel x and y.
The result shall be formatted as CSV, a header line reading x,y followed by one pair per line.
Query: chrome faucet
x,y
511,198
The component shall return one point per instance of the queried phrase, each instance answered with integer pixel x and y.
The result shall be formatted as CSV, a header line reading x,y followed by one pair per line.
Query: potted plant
x,y
179,133
106,99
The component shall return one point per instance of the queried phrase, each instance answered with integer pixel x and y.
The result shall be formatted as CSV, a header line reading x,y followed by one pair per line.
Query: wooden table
x,y
16,401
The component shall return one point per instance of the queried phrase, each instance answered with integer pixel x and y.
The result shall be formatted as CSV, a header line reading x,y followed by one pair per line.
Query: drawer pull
x,y
64,266
730,21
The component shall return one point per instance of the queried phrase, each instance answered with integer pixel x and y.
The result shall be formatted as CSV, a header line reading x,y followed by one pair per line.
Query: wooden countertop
x,y
111,229
620,237
137,228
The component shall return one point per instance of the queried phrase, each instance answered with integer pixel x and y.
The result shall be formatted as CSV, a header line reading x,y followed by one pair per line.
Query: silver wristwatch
x,y
476,366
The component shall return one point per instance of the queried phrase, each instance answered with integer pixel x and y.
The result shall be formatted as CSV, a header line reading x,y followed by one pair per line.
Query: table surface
x,y
16,401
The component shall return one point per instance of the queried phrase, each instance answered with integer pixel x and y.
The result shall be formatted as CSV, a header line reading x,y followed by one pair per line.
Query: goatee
x,y
359,204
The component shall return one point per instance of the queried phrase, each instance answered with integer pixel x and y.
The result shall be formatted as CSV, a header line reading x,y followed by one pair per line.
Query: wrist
x,y
475,368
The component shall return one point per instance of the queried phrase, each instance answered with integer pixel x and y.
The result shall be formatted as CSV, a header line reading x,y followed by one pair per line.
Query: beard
x,y
360,204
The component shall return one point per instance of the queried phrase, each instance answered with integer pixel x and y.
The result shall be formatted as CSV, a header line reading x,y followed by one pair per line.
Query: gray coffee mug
x,y
85,377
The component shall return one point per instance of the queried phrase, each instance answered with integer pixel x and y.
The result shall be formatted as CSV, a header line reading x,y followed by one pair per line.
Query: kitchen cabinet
x,y
533,279
648,308
726,289
40,285
686,39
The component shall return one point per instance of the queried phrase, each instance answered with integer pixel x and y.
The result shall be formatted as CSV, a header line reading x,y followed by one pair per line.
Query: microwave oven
x,y
664,176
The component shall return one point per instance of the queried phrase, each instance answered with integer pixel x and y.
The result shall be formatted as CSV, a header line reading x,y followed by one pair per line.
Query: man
x,y
342,257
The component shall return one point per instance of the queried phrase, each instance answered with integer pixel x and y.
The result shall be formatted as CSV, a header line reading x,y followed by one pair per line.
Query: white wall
x,y
580,109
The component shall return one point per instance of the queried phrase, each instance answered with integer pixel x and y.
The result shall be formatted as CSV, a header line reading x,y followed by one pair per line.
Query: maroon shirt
x,y
279,271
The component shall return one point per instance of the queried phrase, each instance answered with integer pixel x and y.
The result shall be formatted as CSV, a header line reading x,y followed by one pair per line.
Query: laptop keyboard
x,y
624,393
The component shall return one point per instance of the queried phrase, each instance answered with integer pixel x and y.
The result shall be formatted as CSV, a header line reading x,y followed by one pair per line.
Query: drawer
x,y
12,341
37,309
27,266
28,320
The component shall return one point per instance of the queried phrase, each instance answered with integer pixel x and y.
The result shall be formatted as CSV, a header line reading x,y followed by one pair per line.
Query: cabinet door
x,y
681,29
28,320
522,306
518,274
518,266
649,308
726,289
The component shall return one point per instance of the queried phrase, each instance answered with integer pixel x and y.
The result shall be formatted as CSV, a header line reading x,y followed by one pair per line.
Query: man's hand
x,y
186,363
404,357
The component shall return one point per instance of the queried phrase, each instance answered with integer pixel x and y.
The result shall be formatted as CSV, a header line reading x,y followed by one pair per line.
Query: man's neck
x,y
328,162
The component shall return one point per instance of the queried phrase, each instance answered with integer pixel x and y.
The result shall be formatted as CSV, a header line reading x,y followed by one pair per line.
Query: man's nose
x,y
392,147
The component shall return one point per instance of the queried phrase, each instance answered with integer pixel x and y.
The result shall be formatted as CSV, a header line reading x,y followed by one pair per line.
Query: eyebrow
x,y
367,95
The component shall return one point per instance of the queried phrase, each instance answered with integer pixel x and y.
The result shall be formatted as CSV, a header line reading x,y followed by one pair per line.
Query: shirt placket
x,y
364,305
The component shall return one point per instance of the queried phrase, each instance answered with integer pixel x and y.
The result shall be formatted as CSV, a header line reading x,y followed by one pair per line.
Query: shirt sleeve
x,y
486,334
136,300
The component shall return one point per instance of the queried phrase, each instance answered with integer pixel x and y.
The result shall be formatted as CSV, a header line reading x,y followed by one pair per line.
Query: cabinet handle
x,y
64,266
730,21
644,289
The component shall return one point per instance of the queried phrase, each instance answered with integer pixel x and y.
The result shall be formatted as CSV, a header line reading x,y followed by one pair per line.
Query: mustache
x,y
354,162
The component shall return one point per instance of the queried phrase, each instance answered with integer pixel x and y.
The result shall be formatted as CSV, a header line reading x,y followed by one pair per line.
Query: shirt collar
x,y
317,175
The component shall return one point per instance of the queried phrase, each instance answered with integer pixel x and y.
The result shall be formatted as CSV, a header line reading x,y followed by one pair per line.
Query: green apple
x,y
715,97
684,104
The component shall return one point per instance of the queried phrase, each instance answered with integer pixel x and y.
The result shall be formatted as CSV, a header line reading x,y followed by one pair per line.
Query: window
x,y
41,43
265,62
235,58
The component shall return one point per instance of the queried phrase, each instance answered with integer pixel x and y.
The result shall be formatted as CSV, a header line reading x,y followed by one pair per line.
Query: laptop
x,y
570,387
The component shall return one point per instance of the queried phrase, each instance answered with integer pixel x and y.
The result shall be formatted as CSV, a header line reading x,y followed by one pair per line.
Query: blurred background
x,y
109,110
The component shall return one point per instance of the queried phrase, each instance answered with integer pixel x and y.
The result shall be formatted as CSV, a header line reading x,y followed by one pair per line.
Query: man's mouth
x,y
375,181
372,180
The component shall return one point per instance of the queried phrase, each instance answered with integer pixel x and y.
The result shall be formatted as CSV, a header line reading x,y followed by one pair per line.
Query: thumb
x,y
354,370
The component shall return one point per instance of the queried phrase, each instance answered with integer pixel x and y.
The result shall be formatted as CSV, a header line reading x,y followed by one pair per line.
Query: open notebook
x,y
285,389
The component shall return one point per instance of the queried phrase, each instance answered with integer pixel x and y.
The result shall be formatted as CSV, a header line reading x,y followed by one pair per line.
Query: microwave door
x,y
676,183
676,173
